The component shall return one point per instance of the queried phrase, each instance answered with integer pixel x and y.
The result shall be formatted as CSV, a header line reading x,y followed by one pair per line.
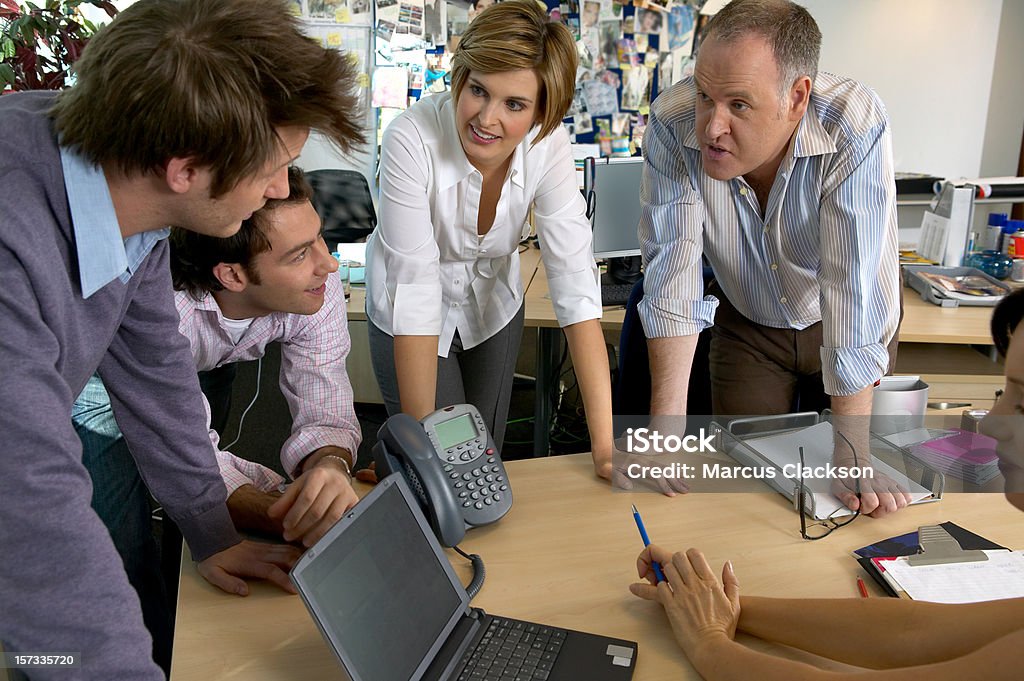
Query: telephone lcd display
x,y
455,431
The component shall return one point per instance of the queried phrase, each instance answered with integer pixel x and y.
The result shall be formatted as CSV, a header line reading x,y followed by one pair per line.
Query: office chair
x,y
343,200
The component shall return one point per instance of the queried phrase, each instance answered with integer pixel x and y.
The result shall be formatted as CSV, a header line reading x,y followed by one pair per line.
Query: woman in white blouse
x,y
459,173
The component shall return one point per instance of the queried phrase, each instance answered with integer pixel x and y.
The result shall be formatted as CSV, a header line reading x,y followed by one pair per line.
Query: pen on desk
x,y
647,542
862,587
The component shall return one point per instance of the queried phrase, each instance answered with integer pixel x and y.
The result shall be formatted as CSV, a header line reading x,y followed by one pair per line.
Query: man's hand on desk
x,y
250,559
879,496
629,470
630,467
603,461
317,499
615,467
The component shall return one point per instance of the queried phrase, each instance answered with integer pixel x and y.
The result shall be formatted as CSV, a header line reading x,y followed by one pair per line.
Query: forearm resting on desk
x,y
722,659
880,633
590,361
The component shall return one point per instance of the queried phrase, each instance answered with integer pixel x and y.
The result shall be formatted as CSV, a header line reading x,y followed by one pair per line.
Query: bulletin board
x,y
628,54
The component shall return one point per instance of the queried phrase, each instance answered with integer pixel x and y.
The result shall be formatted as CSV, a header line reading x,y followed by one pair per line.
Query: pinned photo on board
x,y
648,21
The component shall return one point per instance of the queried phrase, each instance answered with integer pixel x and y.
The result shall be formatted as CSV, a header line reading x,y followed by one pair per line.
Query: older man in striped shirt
x,y
783,178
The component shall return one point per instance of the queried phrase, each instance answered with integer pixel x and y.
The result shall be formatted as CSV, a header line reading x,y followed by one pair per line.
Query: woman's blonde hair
x,y
517,34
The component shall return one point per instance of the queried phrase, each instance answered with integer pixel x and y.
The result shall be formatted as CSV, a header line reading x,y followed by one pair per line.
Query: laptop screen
x,y
378,589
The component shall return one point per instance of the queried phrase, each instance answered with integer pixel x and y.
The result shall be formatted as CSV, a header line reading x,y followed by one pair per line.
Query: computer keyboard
x,y
513,650
615,294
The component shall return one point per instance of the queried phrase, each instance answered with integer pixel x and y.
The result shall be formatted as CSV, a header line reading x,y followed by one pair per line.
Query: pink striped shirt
x,y
314,381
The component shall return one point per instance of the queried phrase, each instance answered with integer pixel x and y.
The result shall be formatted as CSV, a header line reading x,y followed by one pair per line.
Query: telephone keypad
x,y
480,487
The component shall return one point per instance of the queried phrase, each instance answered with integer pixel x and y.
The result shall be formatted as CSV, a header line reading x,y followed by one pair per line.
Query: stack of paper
x,y
970,456
876,558
1001,576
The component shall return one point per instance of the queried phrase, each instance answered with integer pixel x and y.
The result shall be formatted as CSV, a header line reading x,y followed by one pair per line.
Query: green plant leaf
x,y
6,75
40,39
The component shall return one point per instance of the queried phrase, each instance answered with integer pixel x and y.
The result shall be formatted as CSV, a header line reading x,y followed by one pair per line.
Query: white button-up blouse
x,y
428,271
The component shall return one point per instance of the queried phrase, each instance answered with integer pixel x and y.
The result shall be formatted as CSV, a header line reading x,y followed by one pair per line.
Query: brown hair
x,y
194,255
517,34
210,80
788,28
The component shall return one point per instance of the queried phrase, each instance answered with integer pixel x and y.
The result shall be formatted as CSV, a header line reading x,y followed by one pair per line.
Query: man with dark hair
x,y
186,113
783,178
270,282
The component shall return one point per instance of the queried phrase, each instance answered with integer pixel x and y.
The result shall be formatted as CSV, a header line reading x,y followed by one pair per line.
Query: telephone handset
x,y
451,464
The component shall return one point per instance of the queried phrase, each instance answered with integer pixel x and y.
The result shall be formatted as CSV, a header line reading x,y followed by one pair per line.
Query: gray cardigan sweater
x,y
62,587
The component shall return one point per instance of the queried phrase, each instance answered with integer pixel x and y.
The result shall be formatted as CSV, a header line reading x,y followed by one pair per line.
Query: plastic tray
x,y
928,292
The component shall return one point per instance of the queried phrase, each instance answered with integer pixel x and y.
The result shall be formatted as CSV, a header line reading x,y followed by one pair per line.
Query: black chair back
x,y
343,200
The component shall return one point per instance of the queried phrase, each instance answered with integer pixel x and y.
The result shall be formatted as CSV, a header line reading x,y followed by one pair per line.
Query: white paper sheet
x,y
1001,576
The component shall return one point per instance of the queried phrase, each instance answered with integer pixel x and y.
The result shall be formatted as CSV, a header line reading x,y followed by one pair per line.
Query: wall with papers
x,y
931,61
627,55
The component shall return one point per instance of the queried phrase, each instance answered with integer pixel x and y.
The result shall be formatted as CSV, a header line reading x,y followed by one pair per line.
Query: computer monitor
x,y
612,190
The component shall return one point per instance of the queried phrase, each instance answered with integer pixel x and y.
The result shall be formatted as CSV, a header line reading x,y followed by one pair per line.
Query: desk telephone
x,y
452,466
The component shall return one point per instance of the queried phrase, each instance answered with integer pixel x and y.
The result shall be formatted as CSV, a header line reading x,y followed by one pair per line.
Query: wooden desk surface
x,y
922,321
564,556
927,323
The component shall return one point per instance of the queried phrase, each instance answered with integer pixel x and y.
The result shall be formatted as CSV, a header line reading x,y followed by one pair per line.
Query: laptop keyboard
x,y
513,650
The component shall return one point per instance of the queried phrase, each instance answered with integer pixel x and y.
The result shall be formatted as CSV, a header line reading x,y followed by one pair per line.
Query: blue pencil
x,y
647,542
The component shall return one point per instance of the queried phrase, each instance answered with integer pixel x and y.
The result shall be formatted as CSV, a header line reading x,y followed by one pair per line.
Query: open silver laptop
x,y
388,602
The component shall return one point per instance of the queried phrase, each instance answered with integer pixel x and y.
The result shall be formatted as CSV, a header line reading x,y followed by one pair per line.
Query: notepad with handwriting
x,y
1001,576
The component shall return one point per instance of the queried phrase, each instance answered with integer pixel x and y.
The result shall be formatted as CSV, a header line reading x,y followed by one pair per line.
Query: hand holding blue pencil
x,y
647,542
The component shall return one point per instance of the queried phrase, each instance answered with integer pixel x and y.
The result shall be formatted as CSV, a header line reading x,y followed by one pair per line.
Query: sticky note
x,y
619,651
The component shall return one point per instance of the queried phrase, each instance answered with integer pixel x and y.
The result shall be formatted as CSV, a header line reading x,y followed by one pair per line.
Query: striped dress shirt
x,y
825,249
313,379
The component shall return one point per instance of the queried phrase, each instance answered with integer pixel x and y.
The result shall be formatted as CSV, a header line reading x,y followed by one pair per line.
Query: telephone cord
x,y
479,572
